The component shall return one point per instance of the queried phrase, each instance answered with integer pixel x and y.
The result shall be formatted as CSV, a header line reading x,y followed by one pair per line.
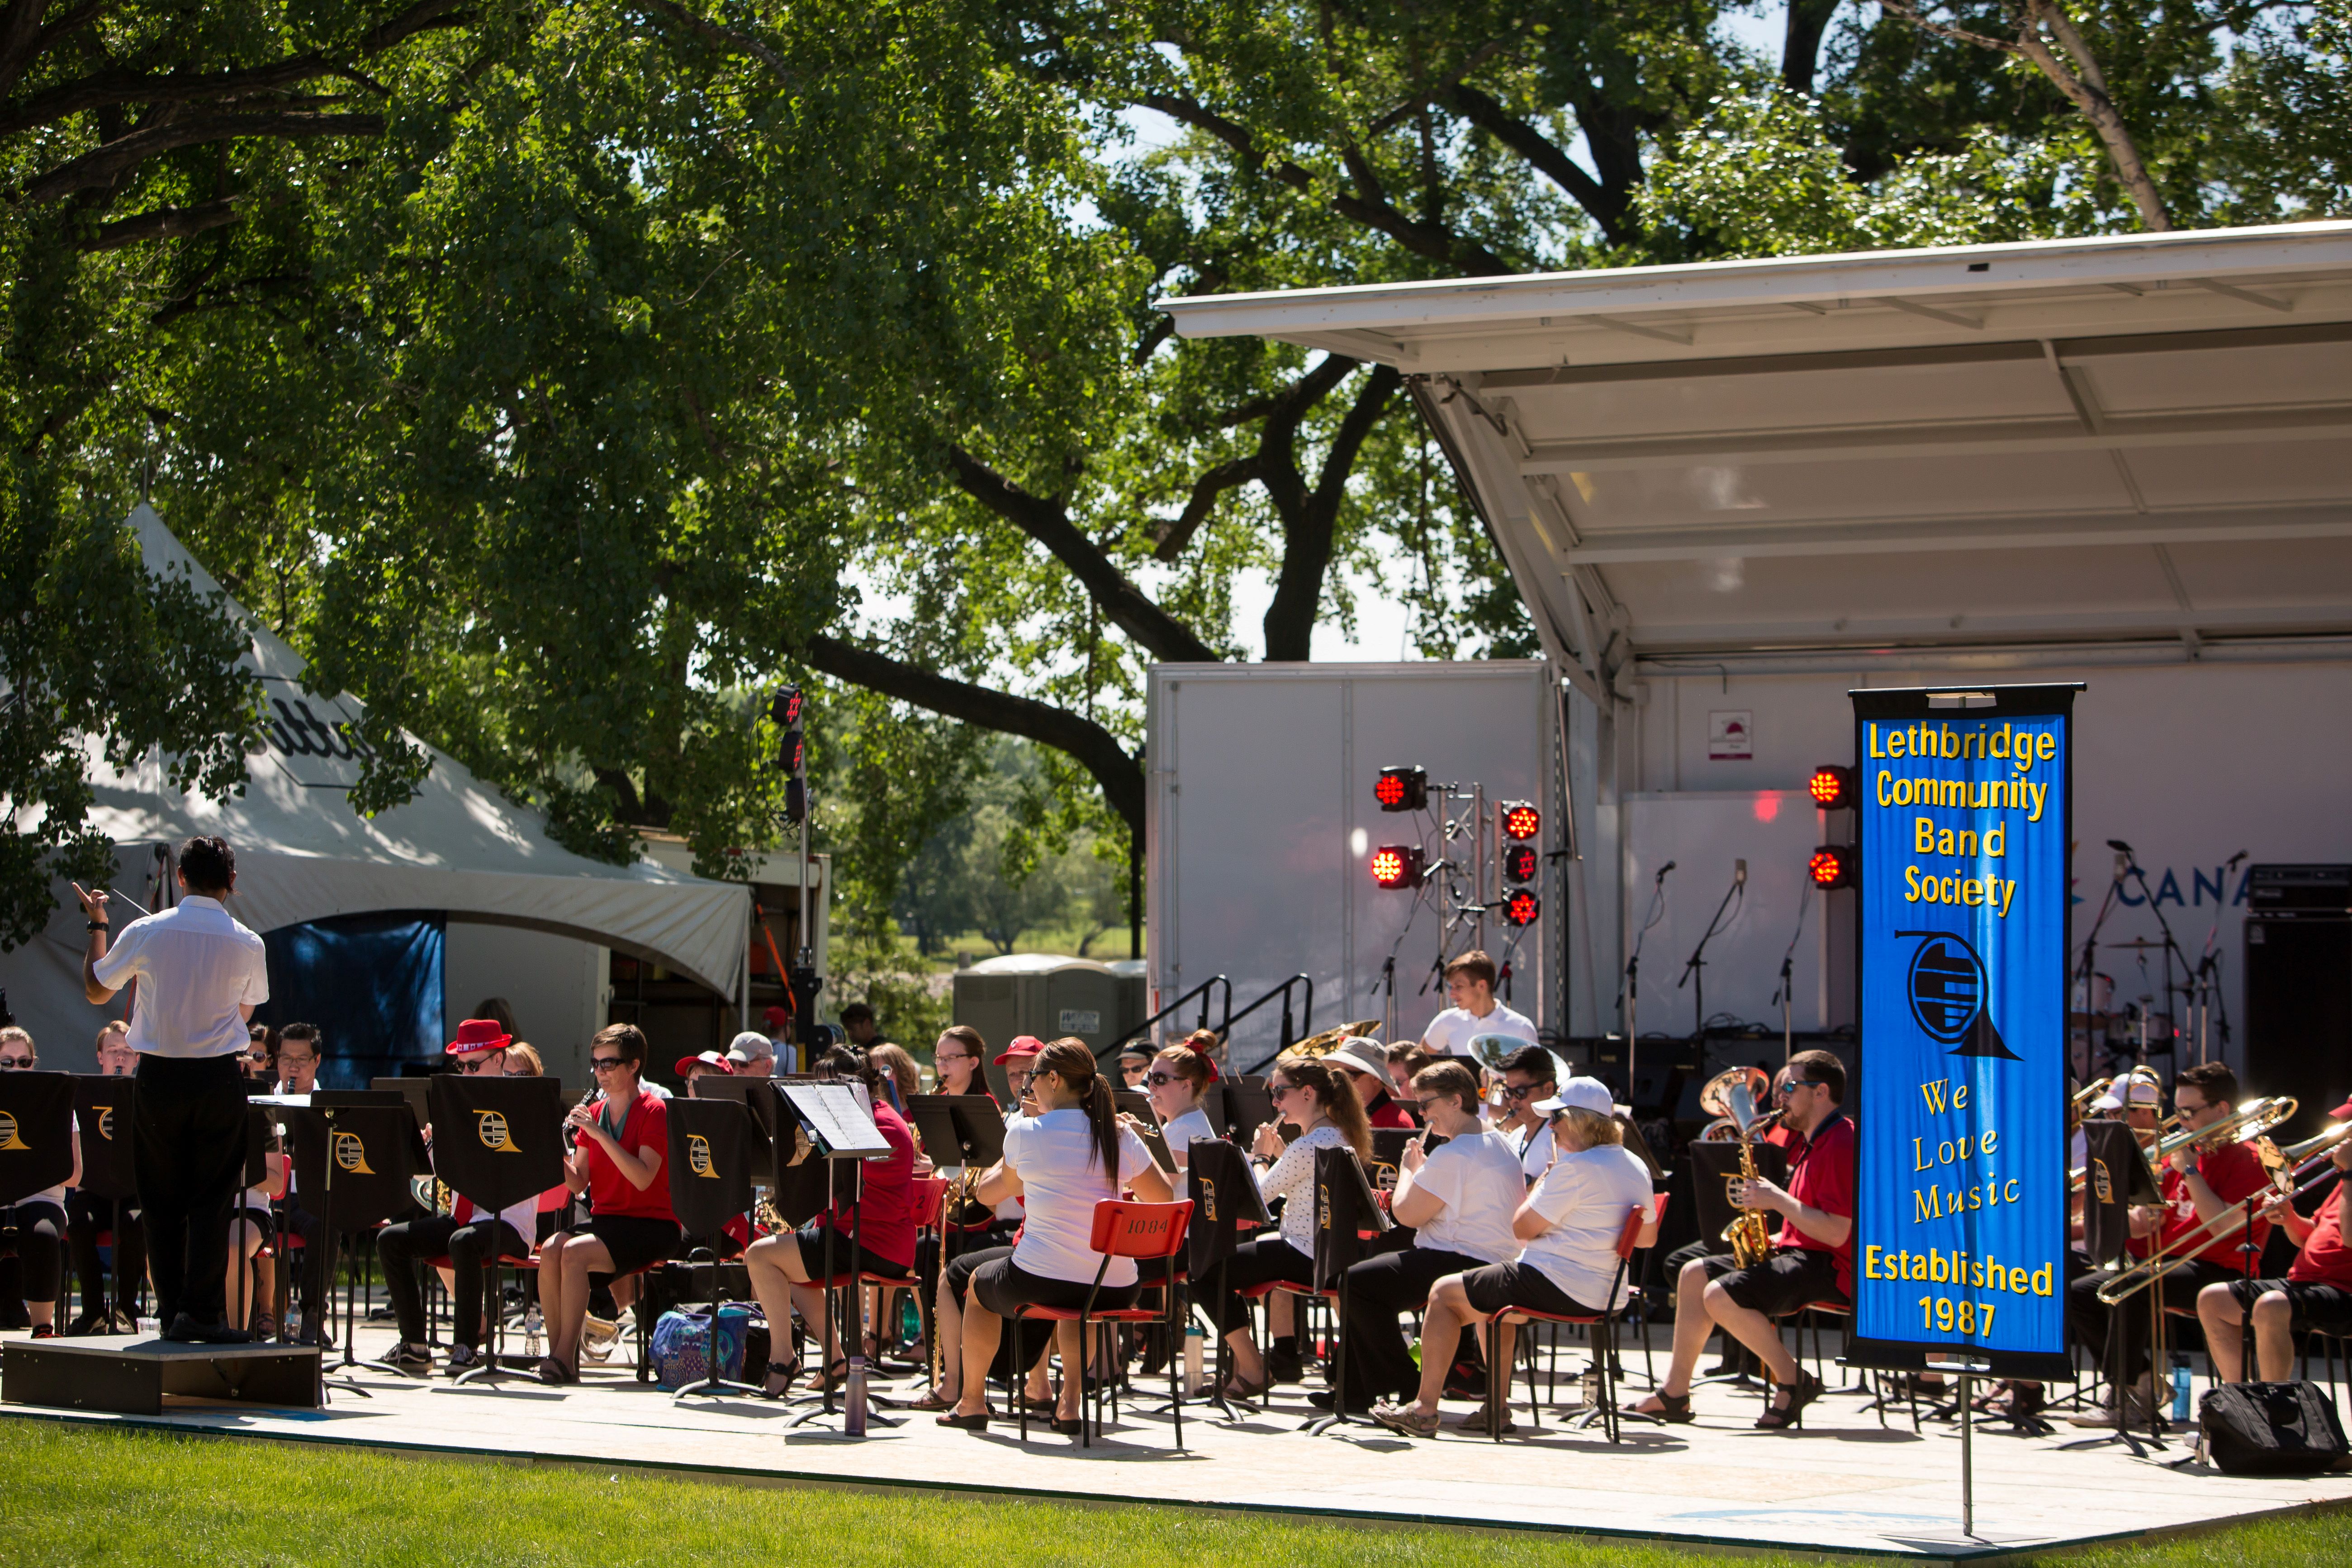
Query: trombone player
x,y
2315,1294
2203,1180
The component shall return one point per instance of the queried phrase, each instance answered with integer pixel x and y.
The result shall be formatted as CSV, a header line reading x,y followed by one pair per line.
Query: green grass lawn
x,y
76,1495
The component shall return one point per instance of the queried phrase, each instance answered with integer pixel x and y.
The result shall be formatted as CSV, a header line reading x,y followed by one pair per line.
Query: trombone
x,y
2250,1120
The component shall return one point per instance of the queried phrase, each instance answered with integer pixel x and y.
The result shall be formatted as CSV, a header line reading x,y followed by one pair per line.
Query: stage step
x,y
131,1374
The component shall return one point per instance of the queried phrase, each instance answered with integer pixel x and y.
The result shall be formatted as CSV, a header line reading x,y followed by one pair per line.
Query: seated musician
x,y
702,1063
1313,1098
2199,1185
2315,1295
1178,1078
955,1061
301,1051
33,1227
618,1149
901,1077
1470,980
1568,1224
469,1238
259,1062
1458,1201
1530,1077
787,1270
1812,1261
1063,1161
89,1215
1133,1063
954,1286
1406,1059
1365,1064
253,1248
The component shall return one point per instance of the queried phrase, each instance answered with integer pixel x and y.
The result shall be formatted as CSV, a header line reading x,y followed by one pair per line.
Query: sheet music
x,y
836,1116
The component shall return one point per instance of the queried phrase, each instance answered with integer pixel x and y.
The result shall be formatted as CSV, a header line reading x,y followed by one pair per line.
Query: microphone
x,y
1663,869
2118,844
1738,873
2234,859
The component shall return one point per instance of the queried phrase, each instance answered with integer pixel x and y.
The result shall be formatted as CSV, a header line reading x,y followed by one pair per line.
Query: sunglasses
x,y
15,1064
1427,1105
1278,1092
1523,1090
605,1064
1156,1079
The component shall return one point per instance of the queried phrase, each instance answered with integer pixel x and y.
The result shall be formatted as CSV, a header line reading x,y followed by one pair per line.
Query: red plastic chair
x,y
1122,1229
1604,1346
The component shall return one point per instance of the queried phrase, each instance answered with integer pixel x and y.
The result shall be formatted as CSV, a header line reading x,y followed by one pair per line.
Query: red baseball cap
x,y
1021,1046
775,1016
2342,1113
479,1034
711,1059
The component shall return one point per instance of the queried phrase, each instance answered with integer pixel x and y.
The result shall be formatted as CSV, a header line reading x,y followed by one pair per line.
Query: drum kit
x,y
2100,1033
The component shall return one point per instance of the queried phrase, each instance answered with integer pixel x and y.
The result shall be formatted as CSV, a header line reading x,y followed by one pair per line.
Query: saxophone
x,y
1750,1232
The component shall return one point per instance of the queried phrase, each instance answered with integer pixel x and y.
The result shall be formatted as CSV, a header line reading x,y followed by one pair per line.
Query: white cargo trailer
x,y
1261,823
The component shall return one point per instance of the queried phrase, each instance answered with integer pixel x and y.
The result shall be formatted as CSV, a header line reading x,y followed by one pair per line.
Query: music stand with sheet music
x,y
102,1112
2115,1176
375,1147
1225,1196
1128,1103
1247,1108
709,1168
496,1141
839,1128
36,1152
1344,1210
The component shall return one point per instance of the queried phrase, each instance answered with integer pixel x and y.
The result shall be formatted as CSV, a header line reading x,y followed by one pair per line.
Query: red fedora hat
x,y
479,1034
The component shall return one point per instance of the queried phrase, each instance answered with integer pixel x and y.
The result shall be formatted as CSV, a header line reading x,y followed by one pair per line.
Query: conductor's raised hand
x,y
93,904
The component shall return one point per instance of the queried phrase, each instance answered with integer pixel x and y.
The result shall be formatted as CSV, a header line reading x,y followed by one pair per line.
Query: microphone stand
x,y
1695,969
2089,973
2171,951
2207,982
1633,984
1787,995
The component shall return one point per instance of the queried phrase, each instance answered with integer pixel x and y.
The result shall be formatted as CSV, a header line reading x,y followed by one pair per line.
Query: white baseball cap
x,y
1580,1094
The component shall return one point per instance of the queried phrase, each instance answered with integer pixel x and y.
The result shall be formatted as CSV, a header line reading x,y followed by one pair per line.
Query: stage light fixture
x,y
795,800
791,752
1402,789
1521,909
785,708
1831,787
1519,863
1831,867
1398,866
1520,821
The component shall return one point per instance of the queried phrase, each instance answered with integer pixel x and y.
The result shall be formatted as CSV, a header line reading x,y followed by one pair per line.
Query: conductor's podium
x,y
131,1374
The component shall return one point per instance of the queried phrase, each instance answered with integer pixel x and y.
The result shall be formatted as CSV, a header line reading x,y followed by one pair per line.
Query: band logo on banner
x,y
1960,1212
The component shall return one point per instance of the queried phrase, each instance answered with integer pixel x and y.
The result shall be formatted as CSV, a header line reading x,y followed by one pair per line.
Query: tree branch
x,y
1310,520
164,222
1043,519
710,32
1093,748
1172,537
99,168
1605,207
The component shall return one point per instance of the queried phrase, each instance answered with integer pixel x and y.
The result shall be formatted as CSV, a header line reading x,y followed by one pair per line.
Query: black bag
x,y
2270,1429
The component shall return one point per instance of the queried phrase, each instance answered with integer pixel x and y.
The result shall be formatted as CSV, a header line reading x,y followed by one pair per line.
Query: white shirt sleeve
x,y
1134,1156
1442,1178
1561,1191
125,957
257,978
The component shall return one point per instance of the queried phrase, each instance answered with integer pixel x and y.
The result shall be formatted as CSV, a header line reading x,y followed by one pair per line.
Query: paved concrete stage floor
x,y
1842,1485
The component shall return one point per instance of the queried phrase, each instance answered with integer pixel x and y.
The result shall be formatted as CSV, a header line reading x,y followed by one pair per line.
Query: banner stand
x,y
1963,812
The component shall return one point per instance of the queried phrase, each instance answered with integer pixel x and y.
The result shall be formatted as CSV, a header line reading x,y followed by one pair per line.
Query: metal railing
x,y
1143,1031
1290,1033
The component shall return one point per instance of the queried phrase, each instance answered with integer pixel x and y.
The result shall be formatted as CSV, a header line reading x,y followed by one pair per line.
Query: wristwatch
x,y
101,925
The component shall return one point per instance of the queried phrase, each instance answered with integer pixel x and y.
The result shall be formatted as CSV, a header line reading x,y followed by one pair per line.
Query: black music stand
x,y
838,1128
37,1150
496,1141
1248,1107
1224,1196
2115,1176
1714,1167
1128,1103
375,1146
1344,1210
101,1106
709,1168
415,1091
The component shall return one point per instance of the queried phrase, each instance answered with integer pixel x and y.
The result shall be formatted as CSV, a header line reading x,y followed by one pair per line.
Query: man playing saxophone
x,y
2202,1182
1813,1260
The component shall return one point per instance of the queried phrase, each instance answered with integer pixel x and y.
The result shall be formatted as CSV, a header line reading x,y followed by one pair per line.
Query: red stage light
x,y
1831,867
785,708
1520,820
1831,787
792,751
1398,866
1521,909
1402,789
1519,862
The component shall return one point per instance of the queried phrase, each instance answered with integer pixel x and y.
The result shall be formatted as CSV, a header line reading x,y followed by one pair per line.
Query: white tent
x,y
458,848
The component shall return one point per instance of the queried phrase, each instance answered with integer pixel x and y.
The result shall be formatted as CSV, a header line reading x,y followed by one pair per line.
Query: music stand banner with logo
x,y
1959,1245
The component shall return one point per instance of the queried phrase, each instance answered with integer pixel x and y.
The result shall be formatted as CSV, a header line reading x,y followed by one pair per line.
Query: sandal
x,y
965,1423
1673,1410
785,1370
933,1399
1243,1388
1801,1393
554,1374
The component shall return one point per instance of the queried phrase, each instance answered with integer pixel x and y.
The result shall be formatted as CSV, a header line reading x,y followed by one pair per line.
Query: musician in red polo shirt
x,y
618,1147
1812,1258
2316,1293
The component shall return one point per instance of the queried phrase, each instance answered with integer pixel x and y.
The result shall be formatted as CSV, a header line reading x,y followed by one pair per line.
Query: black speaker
x,y
2299,1011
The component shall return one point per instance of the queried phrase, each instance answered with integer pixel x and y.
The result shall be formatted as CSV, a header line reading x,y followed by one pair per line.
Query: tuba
x,y
1324,1044
1491,1051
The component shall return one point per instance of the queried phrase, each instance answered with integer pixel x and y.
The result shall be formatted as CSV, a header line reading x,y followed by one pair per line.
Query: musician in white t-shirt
x,y
1459,1199
1470,986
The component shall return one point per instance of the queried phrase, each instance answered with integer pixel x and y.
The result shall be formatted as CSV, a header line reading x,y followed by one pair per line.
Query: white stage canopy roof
x,y
2063,442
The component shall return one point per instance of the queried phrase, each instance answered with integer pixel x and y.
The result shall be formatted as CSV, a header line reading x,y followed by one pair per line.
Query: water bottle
x,y
530,1330
2180,1390
910,1320
1196,1346
853,1388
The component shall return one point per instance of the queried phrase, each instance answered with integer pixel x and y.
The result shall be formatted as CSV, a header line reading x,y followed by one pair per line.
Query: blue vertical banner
x,y
1960,1206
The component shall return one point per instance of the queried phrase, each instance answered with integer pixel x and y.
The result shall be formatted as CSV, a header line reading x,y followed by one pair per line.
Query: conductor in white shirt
x,y
203,975
1470,985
